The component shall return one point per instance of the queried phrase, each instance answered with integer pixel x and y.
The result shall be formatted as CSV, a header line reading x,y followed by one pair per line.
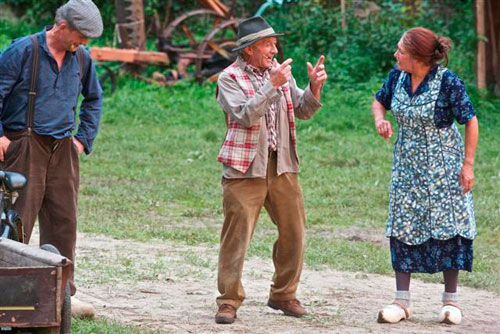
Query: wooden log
x,y
128,55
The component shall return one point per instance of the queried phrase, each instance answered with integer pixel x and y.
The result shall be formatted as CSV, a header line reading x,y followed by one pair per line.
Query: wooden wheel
x,y
183,36
218,49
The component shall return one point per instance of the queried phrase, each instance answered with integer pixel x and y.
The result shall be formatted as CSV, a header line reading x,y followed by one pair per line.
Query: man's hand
x,y
384,128
4,145
79,145
467,178
280,74
317,76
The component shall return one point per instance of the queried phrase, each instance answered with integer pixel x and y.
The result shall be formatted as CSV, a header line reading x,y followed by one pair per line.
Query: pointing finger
x,y
320,61
309,67
286,62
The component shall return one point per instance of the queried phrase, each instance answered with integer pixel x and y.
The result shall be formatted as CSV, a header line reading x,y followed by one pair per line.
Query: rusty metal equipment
x,y
203,37
130,26
131,36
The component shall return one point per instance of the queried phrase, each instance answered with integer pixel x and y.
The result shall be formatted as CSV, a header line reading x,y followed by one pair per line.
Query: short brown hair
x,y
426,46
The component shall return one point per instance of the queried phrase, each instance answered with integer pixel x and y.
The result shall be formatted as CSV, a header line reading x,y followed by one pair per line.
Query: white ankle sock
x,y
450,297
403,296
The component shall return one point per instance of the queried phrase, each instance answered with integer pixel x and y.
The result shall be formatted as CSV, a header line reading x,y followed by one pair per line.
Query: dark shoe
x,y
289,307
226,314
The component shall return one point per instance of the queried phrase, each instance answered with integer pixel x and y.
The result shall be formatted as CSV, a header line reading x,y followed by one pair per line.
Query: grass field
x,y
153,175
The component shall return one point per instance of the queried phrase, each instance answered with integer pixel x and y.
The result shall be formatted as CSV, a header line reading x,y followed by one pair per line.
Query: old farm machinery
x,y
203,37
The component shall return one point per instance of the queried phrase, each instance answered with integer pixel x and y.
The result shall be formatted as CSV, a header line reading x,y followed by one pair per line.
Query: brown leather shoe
x,y
226,314
289,307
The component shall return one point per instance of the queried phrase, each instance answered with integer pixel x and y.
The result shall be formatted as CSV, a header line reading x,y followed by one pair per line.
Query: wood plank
x,y
128,55
24,255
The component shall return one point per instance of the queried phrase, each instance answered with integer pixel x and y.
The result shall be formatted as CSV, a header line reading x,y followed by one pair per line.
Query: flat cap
x,y
84,16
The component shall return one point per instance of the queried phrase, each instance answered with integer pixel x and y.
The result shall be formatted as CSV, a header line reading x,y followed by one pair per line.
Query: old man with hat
x,y
41,78
261,100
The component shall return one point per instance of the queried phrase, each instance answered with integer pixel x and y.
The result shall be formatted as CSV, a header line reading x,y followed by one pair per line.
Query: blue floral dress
x,y
431,223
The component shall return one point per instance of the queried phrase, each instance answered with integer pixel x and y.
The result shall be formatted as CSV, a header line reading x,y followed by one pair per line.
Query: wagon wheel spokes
x,y
216,23
188,34
218,48
185,33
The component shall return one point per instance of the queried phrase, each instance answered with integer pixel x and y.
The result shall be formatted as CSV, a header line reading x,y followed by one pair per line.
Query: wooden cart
x,y
34,289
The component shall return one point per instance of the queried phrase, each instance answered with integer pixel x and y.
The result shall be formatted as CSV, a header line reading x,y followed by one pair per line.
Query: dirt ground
x,y
170,288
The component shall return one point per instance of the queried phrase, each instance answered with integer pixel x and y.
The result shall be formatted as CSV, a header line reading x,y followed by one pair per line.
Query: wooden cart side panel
x,y
28,297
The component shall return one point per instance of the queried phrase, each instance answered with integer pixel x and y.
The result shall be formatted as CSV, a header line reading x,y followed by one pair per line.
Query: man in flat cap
x,y
41,78
261,100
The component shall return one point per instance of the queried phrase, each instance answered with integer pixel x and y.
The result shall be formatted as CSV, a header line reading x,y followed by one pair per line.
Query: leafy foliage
x,y
364,49
366,46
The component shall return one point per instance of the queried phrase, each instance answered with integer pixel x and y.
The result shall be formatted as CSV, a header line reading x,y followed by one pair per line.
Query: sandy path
x,y
163,286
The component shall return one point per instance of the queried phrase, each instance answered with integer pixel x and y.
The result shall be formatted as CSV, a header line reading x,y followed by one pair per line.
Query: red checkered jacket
x,y
240,145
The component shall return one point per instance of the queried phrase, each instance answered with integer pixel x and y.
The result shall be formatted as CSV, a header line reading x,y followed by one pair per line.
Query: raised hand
x,y
317,76
280,74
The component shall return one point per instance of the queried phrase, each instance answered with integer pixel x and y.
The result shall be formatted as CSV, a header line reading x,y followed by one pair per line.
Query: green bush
x,y
353,56
366,47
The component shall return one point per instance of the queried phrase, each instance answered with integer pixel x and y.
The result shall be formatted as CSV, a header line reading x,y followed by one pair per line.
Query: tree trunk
x,y
342,11
481,46
493,45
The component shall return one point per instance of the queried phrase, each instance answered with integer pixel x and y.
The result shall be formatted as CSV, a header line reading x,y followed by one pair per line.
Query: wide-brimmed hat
x,y
253,29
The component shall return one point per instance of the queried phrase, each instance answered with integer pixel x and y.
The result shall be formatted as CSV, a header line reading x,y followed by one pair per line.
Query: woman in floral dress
x,y
431,222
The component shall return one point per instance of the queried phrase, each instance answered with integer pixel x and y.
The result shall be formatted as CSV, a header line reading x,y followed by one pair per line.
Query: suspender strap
x,y
32,91
81,64
34,75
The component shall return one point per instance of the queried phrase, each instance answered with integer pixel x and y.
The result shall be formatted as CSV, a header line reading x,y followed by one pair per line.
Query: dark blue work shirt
x,y
453,103
57,92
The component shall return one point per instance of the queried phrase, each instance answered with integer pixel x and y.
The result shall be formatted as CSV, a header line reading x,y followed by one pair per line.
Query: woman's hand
x,y
467,178
384,128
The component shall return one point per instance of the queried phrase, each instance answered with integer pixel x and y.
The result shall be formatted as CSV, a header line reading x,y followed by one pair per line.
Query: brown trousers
x,y
243,200
52,169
